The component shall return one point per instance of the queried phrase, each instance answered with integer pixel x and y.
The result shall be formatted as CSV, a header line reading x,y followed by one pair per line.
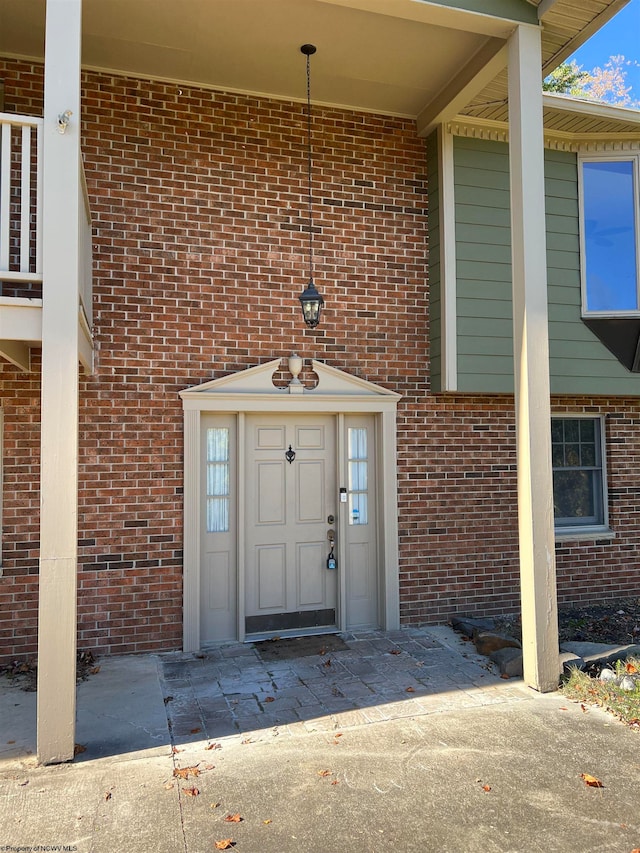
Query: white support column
x,y
57,623
531,363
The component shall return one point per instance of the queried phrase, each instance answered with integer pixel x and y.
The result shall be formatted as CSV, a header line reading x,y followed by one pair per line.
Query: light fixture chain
x,y
310,206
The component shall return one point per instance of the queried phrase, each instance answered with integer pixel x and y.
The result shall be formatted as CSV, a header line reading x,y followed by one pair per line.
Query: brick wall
x,y
199,206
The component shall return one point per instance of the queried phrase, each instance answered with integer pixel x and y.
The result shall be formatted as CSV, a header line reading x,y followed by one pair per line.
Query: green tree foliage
x,y
566,79
606,84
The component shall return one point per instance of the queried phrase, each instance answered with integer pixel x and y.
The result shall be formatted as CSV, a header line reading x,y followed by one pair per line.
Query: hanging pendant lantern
x,y
310,299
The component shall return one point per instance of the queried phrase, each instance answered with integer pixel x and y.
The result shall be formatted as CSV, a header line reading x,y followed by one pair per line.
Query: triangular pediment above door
x,y
256,383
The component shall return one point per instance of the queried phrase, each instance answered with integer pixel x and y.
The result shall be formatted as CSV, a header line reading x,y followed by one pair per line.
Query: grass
x,y
623,704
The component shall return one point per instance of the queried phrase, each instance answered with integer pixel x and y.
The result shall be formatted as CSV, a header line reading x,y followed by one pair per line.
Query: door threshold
x,y
291,633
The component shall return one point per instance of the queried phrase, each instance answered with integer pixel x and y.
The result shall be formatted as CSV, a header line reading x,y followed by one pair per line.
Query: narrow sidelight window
x,y
358,476
217,480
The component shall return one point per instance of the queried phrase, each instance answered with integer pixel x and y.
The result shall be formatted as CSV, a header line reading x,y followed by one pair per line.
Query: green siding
x,y
435,312
579,363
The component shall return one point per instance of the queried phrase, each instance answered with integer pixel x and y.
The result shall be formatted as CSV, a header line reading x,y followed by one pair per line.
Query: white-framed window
x,y
218,480
579,473
358,462
610,234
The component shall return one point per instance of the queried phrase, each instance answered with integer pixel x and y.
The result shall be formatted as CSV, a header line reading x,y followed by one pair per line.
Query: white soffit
x,y
578,123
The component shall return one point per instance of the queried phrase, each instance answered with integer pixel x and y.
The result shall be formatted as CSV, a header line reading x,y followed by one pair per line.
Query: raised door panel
x,y
270,502
271,562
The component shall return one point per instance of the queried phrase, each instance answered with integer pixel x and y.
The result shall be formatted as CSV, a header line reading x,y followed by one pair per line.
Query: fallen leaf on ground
x,y
564,709
269,699
95,670
191,792
175,750
213,746
214,805
631,668
233,818
335,781
591,781
168,699
108,795
185,772
246,740
395,652
169,786
11,741
322,652
324,772
327,662
486,788
585,710
410,690
268,820
338,734
505,676
209,766
22,784
196,730
79,748
225,844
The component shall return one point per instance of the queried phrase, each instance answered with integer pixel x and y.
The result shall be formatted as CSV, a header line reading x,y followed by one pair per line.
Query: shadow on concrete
x,y
367,677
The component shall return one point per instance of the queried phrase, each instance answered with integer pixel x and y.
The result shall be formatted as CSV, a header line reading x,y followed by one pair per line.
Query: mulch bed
x,y
615,622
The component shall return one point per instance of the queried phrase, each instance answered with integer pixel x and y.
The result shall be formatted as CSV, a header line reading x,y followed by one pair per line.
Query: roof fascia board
x,y
590,108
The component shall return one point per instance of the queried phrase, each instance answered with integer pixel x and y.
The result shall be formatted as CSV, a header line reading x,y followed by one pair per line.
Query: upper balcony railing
x,y
85,246
20,205
21,225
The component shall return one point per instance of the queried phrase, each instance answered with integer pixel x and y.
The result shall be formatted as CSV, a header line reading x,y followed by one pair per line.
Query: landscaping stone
x,y
627,683
470,626
487,642
569,661
607,675
601,653
509,660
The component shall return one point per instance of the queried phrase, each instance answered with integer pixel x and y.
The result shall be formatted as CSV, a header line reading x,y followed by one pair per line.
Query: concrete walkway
x,y
425,750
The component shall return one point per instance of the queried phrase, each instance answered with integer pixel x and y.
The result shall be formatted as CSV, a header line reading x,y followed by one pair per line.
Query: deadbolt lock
x,y
331,519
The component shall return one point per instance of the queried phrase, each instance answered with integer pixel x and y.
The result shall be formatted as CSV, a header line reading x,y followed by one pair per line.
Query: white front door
x,y
290,508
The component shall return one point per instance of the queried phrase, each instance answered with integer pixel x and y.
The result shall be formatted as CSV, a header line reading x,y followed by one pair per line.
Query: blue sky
x,y
620,35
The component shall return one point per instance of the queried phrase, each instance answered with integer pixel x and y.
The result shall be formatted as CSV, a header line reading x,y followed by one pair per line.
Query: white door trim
x,y
252,390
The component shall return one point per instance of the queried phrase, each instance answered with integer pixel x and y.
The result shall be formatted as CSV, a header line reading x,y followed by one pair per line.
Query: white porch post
x,y
531,363
59,423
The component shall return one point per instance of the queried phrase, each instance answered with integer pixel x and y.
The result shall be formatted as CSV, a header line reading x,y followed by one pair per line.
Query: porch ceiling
x,y
388,56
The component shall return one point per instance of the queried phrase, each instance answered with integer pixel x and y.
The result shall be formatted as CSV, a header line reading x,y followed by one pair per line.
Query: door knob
x,y
331,535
